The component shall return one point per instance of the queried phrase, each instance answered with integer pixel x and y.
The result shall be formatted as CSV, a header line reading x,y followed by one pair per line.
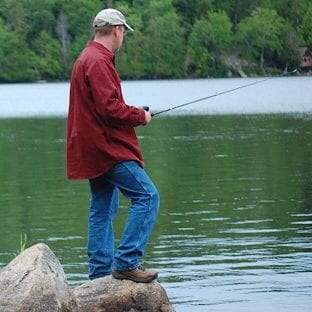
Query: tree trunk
x,y
262,58
62,33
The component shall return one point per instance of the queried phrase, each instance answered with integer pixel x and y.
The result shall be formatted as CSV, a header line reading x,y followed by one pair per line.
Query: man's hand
x,y
148,117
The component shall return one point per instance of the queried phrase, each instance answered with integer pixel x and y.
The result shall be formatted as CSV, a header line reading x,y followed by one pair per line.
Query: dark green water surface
x,y
235,226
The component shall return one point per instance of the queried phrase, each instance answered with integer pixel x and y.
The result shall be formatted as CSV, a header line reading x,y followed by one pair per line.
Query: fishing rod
x,y
217,94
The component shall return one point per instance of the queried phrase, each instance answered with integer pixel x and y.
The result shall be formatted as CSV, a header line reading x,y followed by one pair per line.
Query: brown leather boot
x,y
138,275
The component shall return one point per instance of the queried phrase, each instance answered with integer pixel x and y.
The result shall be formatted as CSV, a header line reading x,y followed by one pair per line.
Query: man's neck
x,y
105,42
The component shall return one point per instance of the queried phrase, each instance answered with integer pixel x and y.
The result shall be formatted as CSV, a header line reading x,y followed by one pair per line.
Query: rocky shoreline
x,y
35,281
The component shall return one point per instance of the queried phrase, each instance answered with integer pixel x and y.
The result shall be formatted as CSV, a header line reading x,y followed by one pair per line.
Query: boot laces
x,y
141,267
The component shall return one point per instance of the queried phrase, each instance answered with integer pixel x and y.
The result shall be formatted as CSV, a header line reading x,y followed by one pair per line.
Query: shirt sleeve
x,y
107,97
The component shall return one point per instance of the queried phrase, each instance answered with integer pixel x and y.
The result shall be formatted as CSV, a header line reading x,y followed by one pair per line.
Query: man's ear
x,y
115,30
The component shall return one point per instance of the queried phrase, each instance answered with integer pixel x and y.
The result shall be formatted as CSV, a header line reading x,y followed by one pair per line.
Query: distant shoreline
x,y
299,73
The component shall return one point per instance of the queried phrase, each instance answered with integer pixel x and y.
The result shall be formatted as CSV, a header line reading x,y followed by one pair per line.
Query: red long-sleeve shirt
x,y
100,126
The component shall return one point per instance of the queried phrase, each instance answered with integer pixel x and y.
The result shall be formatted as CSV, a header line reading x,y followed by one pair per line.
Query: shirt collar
x,y
102,48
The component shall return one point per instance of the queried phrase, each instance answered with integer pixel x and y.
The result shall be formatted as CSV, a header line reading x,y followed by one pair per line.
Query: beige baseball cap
x,y
111,17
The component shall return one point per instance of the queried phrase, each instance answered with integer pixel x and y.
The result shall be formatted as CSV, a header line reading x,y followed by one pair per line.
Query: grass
x,y
23,242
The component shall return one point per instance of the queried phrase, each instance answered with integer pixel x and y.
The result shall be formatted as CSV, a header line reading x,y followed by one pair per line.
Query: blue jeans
x,y
133,183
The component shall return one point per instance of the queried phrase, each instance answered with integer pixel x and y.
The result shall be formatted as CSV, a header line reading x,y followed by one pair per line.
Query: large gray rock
x,y
34,281
108,294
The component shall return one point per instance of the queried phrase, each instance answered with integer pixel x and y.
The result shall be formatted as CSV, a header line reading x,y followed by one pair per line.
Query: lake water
x,y
235,177
277,95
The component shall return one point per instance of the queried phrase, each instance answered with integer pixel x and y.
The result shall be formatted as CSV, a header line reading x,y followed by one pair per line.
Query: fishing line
x,y
217,94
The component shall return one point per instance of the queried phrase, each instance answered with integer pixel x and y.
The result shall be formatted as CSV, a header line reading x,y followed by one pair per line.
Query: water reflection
x,y
234,231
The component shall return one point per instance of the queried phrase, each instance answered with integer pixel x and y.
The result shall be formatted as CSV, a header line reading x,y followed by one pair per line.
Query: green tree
x,y
193,10
173,38
167,49
130,57
49,55
289,57
237,10
259,35
134,14
74,23
14,65
306,27
14,14
292,10
79,14
39,17
190,11
159,50
209,40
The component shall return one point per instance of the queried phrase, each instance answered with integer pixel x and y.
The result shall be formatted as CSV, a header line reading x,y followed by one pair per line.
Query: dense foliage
x,y
40,39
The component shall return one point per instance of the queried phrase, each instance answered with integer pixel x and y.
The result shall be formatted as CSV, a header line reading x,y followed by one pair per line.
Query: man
x,y
102,147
